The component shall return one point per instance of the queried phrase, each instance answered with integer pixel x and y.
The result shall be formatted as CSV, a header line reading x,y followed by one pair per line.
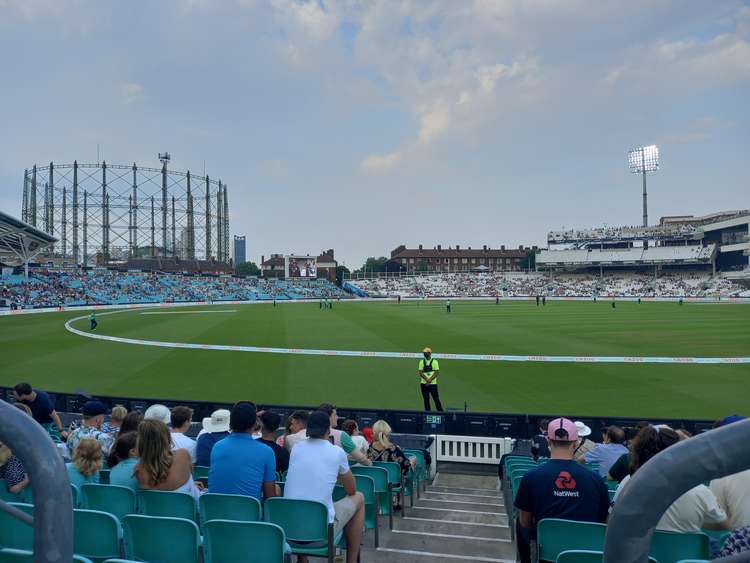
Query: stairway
x,y
459,518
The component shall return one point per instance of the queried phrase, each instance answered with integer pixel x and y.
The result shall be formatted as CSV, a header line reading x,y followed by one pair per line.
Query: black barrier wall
x,y
458,423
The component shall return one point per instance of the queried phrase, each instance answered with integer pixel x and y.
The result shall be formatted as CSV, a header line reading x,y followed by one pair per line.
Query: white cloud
x,y
131,93
380,163
310,17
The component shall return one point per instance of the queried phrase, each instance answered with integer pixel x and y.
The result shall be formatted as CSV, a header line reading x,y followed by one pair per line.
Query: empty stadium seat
x,y
8,555
230,541
96,534
14,533
305,523
158,539
114,499
166,503
214,506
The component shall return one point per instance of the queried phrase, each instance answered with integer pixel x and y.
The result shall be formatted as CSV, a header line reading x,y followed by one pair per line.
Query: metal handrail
x,y
666,477
53,503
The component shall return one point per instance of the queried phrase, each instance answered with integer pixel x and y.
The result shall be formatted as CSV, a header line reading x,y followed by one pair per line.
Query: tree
x,y
340,271
247,269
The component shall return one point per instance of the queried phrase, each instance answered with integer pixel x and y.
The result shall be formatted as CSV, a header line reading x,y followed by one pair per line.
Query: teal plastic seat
x,y
366,486
96,534
166,503
555,535
229,541
76,494
14,533
585,556
420,471
104,476
396,482
159,539
118,501
305,523
200,472
214,506
6,495
9,555
671,547
382,488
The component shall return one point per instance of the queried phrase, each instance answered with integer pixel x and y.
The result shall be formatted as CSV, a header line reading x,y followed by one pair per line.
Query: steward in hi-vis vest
x,y
428,371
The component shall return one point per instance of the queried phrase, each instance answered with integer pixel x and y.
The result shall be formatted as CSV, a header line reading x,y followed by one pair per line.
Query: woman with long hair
x,y
697,508
87,461
122,461
158,466
382,449
130,422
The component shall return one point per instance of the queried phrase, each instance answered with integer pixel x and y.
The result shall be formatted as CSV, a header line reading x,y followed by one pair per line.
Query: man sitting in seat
x,y
606,454
215,428
559,488
241,465
181,418
93,417
269,423
314,466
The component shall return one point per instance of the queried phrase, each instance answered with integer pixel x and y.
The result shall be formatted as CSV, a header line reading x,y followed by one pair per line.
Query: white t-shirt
x,y
688,513
361,444
180,441
314,467
293,439
733,494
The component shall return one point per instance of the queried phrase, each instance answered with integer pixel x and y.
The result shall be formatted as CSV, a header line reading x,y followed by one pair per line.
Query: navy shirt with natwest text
x,y
563,488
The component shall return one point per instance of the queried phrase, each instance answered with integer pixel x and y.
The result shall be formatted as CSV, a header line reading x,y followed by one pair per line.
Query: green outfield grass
x,y
37,348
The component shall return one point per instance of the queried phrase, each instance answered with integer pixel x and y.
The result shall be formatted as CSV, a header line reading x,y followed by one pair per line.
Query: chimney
x,y
439,248
502,247
520,247
484,248
262,259
420,247
457,247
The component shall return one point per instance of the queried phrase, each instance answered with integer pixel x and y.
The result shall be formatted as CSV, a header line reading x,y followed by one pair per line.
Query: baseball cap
x,y
562,430
93,408
158,412
731,418
583,430
427,350
318,424
217,422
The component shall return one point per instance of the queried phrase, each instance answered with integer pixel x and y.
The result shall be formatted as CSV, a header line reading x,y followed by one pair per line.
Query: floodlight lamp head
x,y
643,159
164,157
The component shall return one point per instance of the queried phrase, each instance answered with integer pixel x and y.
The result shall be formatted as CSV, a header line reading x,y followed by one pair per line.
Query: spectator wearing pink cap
x,y
559,488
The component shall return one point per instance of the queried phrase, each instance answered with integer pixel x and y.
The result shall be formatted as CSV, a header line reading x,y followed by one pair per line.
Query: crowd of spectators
x,y
620,233
52,288
499,284
573,480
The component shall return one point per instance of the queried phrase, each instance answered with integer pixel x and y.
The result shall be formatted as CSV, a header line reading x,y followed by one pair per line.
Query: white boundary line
x,y
367,354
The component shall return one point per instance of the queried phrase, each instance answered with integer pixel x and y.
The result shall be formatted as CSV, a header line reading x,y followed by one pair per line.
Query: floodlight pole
x,y
645,197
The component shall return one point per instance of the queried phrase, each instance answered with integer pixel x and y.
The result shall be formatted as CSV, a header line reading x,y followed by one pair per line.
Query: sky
x,y
361,125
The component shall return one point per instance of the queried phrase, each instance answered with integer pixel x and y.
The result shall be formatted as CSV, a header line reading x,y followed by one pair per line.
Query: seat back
x,y
366,486
115,499
229,541
555,535
104,476
166,503
301,520
670,547
200,472
75,493
6,495
421,463
393,469
379,476
159,539
214,506
96,534
9,555
14,533
586,556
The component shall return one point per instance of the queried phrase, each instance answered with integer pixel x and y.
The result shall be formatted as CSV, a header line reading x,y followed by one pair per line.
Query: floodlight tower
x,y
642,160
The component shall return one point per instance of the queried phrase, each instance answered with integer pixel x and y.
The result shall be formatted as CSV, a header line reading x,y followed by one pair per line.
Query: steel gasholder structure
x,y
111,212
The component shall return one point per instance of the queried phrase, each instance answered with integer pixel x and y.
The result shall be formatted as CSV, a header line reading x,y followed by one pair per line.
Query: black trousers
x,y
427,390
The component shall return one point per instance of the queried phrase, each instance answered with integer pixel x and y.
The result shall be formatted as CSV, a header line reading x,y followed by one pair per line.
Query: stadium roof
x,y
22,239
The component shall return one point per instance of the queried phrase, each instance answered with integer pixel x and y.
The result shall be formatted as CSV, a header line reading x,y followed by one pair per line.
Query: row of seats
x,y
585,540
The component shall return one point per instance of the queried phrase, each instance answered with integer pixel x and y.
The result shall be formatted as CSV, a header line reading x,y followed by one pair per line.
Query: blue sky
x,y
361,125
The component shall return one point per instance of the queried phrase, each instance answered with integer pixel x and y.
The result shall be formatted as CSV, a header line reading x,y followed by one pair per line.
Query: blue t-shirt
x,y
240,465
122,474
605,455
563,489
77,478
205,444
41,407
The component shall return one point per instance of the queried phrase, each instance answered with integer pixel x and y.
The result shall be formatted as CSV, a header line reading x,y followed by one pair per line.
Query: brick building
x,y
457,259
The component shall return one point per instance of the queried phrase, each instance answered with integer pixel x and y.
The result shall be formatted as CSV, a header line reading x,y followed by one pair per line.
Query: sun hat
x,y
218,421
158,412
562,430
427,350
583,430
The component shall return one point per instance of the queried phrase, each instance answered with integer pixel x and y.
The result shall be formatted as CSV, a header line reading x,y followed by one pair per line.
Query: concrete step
x,y
457,527
487,482
425,502
448,544
461,515
395,555
462,490
464,497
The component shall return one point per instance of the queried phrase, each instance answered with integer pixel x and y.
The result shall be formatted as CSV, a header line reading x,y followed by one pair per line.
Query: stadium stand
x,y
684,284
49,288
